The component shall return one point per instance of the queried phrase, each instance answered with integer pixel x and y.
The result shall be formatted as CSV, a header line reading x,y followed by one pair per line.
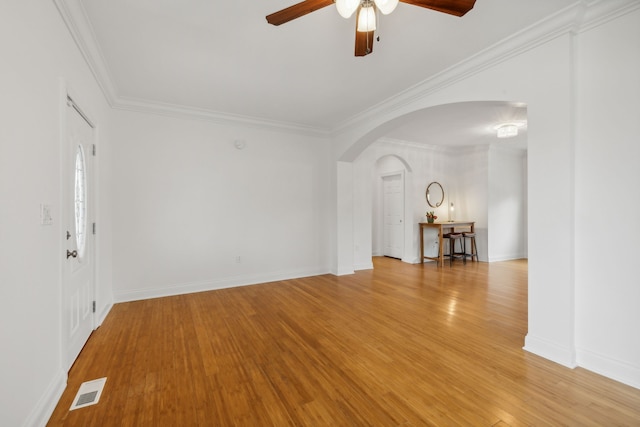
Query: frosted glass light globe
x,y
347,7
386,6
367,19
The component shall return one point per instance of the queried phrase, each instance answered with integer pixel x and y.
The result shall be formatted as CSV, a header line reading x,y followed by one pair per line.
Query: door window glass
x,y
80,201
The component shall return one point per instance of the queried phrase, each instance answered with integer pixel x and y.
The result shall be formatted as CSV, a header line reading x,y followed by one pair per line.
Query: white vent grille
x,y
87,398
88,394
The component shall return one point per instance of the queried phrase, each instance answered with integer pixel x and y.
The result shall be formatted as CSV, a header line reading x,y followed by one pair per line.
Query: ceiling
x,y
223,57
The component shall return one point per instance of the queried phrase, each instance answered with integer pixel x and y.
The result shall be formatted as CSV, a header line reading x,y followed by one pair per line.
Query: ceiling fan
x,y
366,16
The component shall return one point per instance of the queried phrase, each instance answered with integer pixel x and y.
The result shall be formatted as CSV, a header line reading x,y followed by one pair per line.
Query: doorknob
x,y
72,254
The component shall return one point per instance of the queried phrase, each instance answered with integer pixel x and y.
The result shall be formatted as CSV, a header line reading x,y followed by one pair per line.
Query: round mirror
x,y
435,194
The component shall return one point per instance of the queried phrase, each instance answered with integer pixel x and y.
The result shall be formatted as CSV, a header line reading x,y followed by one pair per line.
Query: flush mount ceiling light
x,y
507,130
367,14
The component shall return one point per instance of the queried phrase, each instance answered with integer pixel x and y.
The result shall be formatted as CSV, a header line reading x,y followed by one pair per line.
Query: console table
x,y
441,227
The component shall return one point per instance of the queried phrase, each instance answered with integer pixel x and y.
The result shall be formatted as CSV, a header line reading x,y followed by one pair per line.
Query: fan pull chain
x,y
376,16
378,27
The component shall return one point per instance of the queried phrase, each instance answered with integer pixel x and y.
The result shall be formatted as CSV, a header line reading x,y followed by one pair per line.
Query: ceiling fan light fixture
x,y
367,17
367,14
347,7
386,6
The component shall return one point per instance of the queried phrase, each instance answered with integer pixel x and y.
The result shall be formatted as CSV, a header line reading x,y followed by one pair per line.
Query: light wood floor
x,y
402,345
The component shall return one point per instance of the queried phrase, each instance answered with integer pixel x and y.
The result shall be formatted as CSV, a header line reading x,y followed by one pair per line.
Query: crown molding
x,y
448,149
186,112
599,12
394,142
581,15
75,18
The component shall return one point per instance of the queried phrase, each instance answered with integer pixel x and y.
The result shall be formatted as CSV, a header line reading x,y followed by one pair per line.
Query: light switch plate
x,y
45,215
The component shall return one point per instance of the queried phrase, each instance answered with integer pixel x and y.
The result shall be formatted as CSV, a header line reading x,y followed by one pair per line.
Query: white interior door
x,y
78,256
393,214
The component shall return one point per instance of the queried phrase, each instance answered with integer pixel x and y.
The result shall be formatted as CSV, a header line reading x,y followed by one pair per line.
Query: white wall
x,y
37,52
507,204
363,202
546,90
473,202
581,92
607,201
558,78
481,182
421,165
188,203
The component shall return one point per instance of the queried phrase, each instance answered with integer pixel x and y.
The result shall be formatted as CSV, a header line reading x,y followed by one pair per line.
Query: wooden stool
x,y
444,245
453,238
472,243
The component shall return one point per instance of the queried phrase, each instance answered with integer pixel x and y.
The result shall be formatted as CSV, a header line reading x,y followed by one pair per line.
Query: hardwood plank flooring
x,y
401,345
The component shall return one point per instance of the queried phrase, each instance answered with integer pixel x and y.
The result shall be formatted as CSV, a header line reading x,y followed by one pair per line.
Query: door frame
x,y
67,94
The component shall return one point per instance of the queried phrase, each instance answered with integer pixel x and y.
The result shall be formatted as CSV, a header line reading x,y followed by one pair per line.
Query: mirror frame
x,y
437,204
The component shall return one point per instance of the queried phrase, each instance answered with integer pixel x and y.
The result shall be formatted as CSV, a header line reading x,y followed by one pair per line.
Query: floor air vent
x,y
88,394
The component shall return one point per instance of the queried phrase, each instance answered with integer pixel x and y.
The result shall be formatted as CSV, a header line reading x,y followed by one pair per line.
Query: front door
x,y
78,255
393,212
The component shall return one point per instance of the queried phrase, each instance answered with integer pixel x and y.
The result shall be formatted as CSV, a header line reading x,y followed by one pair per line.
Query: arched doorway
x,y
484,176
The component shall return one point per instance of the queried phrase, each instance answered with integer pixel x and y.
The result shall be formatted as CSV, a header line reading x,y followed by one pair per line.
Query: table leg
x,y
441,248
421,244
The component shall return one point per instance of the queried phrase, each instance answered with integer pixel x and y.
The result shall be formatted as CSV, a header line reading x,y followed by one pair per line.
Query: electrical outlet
x,y
238,259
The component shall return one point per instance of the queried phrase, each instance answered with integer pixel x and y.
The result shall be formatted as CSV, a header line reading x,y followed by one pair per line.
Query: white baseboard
x,y
103,314
563,355
614,369
48,402
50,398
610,368
415,260
363,266
506,257
227,282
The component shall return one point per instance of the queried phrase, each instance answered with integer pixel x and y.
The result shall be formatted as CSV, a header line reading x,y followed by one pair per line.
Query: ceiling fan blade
x,y
296,11
364,41
452,7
